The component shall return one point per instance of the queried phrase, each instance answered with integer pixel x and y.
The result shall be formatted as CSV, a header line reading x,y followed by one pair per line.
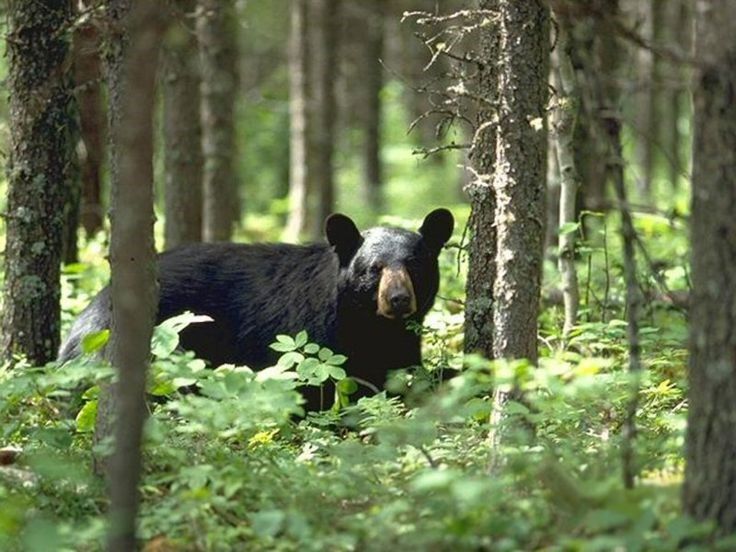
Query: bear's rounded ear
x,y
343,235
437,228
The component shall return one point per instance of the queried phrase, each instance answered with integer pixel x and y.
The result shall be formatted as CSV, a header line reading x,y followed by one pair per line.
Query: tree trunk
x,y
324,57
519,176
710,473
217,30
88,74
610,59
132,259
372,166
565,119
519,188
299,102
38,176
482,245
116,12
182,133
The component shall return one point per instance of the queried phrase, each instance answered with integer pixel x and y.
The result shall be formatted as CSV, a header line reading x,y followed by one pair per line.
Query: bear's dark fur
x,y
355,295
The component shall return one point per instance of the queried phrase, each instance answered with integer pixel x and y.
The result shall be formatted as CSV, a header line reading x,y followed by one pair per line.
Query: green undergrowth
x,y
239,465
235,466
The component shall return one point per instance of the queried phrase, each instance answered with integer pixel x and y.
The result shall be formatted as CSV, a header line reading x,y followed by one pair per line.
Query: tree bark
x,y
132,259
217,30
324,61
299,101
565,119
372,166
39,178
182,130
88,74
710,446
519,176
482,244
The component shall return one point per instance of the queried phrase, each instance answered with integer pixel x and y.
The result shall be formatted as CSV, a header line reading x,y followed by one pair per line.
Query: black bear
x,y
355,295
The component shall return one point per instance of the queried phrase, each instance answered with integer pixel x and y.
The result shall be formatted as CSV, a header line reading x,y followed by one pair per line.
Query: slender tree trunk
x,y
565,119
116,13
132,259
482,245
88,76
679,96
182,133
372,166
216,27
710,445
610,58
38,176
324,58
299,102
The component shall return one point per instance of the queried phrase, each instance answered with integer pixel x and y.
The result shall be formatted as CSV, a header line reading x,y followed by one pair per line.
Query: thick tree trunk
x,y
710,472
299,102
132,259
182,131
216,27
88,74
324,58
38,176
482,245
519,176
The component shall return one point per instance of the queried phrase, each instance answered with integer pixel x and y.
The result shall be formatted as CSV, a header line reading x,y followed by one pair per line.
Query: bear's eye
x,y
375,268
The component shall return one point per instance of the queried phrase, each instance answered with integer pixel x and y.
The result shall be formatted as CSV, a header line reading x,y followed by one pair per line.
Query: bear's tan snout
x,y
396,297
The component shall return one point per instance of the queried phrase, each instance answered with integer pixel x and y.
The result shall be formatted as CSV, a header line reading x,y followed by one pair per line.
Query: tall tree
x,y
482,245
710,473
299,103
87,47
39,180
132,259
371,112
565,118
609,59
217,31
182,133
324,19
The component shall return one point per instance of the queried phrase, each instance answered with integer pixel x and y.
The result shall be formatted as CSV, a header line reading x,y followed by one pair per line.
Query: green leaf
x,y
165,341
337,373
93,342
86,417
337,360
183,382
569,228
324,354
162,388
281,347
307,368
311,348
290,358
283,344
347,386
180,321
322,372
301,339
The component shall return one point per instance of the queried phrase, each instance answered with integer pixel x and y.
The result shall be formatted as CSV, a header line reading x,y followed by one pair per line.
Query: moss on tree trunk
x,y
38,176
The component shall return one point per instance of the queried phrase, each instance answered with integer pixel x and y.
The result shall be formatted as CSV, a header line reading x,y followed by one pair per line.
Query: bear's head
x,y
390,272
